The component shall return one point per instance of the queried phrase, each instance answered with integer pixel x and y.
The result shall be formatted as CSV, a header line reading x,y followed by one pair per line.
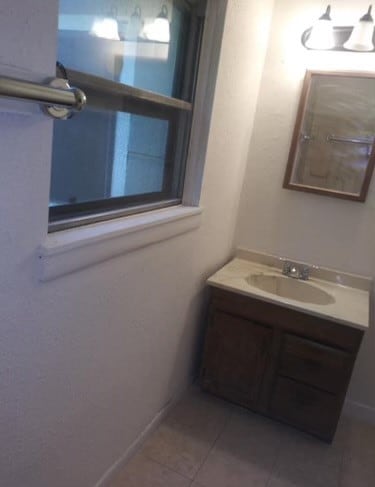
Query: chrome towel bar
x,y
58,98
350,140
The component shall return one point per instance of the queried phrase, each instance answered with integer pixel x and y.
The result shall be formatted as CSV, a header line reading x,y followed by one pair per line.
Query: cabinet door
x,y
235,358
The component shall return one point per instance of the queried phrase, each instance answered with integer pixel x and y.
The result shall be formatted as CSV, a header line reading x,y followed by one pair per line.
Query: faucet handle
x,y
297,271
304,272
287,266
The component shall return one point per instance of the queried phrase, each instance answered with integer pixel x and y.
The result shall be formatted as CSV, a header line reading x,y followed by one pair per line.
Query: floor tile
x,y
143,472
206,442
200,410
308,462
250,432
358,468
353,477
361,441
226,470
277,482
244,454
185,438
306,474
177,448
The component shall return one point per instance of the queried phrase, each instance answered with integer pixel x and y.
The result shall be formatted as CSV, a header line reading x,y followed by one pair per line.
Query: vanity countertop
x,y
351,293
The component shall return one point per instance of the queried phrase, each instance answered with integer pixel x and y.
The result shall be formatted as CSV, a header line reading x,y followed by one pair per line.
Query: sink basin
x,y
287,287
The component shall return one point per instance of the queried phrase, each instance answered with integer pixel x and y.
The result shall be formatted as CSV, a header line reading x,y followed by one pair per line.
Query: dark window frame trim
x,y
103,216
109,88
107,94
92,209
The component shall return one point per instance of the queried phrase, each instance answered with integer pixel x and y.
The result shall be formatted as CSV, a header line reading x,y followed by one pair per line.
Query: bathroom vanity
x,y
272,350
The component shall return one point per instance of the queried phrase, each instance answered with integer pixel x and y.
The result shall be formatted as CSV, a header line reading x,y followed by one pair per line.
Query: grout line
x,y
203,461
273,468
225,423
167,467
120,464
344,450
340,475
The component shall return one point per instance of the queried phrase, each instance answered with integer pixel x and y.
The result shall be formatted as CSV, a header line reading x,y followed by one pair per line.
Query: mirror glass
x,y
332,150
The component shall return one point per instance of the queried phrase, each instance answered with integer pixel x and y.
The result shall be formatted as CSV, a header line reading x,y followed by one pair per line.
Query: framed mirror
x,y
332,151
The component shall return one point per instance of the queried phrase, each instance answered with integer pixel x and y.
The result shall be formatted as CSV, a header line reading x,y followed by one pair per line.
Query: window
x,y
126,152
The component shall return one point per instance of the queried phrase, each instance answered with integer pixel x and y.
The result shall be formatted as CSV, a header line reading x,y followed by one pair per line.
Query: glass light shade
x,y
106,28
362,35
158,31
321,36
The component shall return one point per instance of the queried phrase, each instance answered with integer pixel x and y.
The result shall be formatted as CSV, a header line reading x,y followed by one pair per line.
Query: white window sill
x,y
70,250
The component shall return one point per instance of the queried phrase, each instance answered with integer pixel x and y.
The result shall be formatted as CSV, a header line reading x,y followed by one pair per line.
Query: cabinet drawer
x,y
305,407
318,365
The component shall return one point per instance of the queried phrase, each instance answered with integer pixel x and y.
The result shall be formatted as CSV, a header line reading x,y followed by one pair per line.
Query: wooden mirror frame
x,y
293,153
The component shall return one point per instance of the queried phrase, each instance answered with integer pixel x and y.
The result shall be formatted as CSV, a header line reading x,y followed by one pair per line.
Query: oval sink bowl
x,y
287,287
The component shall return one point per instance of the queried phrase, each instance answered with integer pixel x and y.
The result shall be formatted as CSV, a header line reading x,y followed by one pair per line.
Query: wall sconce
x,y
361,37
324,36
106,28
321,33
159,30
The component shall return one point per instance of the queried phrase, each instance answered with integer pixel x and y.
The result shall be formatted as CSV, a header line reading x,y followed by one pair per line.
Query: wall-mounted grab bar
x,y
58,98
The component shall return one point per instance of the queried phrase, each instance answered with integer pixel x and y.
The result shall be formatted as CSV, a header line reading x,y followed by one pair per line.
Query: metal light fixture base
x,y
341,35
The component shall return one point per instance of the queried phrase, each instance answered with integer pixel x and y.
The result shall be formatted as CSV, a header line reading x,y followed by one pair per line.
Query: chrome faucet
x,y
296,271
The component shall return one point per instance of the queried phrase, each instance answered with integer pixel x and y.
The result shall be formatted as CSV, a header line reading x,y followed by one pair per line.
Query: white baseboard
x,y
150,428
360,411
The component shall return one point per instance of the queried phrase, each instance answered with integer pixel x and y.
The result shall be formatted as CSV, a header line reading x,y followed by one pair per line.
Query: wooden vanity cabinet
x,y
280,362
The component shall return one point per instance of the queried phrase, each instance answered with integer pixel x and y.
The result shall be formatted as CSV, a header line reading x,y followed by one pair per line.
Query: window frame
x,y
76,249
111,95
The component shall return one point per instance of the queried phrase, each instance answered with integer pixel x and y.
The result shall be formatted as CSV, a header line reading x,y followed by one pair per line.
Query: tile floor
x,y
205,442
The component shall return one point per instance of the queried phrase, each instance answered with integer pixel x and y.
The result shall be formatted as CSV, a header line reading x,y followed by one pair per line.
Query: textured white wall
x,y
317,229
86,361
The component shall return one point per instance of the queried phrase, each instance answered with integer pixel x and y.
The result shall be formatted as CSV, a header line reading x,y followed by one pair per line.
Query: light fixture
x,y
159,30
106,28
324,36
361,37
321,34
